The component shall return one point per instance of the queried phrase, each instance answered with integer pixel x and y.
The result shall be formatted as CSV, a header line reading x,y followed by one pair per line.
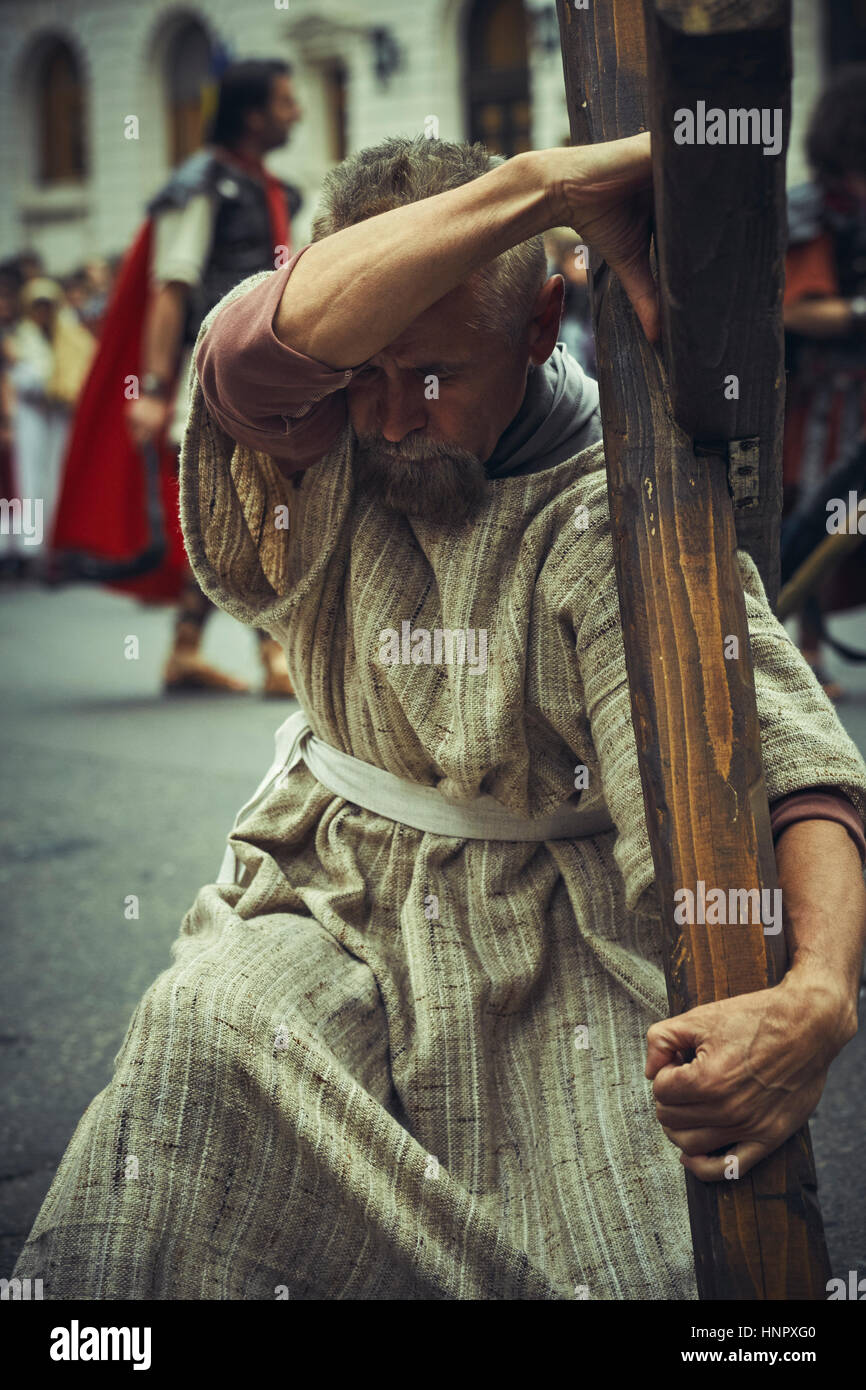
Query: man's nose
x,y
401,407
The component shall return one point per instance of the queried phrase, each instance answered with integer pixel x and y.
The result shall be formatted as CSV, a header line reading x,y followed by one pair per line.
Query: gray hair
x,y
404,169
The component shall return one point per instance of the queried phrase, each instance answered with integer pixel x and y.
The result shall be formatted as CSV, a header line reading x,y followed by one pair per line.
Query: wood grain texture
x,y
693,708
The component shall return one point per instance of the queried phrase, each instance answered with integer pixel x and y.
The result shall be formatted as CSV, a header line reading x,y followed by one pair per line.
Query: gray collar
x,y
558,417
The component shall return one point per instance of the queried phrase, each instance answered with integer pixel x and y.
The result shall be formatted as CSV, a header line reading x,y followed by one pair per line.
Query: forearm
x,y
164,330
819,318
824,907
354,292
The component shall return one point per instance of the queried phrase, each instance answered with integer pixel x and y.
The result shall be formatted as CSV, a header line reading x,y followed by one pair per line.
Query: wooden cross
x,y
693,434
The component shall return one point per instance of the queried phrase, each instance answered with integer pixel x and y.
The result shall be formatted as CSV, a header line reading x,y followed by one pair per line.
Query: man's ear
x,y
545,320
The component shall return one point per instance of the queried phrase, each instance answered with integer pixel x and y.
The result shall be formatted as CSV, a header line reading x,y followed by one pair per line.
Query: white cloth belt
x,y
409,803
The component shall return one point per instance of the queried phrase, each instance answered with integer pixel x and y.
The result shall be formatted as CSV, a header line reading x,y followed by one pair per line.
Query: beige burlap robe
x,y
399,1065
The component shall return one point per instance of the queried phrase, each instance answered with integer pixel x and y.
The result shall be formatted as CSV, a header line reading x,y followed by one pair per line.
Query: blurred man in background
x,y
220,217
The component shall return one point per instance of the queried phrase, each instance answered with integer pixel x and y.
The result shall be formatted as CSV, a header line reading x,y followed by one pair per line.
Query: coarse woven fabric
x,y
395,1065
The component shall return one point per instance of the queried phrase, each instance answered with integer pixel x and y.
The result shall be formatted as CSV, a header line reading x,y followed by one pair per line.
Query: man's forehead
x,y
440,332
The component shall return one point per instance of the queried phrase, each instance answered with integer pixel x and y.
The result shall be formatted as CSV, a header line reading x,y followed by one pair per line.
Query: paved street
x,y
110,790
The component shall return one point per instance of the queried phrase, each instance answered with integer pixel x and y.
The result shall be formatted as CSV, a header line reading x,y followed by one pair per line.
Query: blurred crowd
x,y
49,328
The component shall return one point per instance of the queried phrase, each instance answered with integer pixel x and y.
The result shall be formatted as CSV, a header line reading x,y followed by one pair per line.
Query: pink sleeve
x,y
264,394
818,803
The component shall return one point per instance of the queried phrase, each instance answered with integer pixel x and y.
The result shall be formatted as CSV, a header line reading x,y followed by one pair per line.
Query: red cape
x,y
102,511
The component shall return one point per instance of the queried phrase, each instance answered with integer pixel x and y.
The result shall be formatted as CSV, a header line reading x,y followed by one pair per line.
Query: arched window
x,y
187,72
59,100
497,76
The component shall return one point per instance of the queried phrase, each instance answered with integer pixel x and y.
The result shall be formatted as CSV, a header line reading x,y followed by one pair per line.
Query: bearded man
x,y
401,1052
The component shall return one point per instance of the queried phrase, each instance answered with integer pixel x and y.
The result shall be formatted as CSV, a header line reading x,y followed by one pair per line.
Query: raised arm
x,y
354,292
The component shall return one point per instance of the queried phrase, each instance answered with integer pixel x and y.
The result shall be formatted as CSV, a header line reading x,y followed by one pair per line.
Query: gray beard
x,y
438,483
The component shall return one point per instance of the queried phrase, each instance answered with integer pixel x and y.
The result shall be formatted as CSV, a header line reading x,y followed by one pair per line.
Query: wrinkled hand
x,y
759,1069
605,193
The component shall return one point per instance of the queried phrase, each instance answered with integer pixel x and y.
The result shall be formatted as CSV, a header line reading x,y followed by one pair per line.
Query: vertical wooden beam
x,y
694,710
721,260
